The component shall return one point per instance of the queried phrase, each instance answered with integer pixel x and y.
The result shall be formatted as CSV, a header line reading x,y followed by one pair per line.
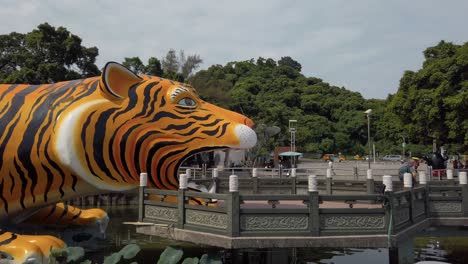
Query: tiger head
x,y
138,124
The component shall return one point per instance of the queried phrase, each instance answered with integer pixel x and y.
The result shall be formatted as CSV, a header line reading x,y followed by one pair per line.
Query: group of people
x,y
457,164
410,166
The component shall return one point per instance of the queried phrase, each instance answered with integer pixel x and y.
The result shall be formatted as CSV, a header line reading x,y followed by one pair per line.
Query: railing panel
x,y
272,223
160,214
350,222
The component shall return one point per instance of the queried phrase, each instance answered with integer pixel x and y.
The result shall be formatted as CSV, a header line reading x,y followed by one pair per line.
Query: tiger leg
x,y
27,249
61,214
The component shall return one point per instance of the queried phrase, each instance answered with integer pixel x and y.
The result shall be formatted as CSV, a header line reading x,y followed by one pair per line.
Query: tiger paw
x,y
26,249
66,215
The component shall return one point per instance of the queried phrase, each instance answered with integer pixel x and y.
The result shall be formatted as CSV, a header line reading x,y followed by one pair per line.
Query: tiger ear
x,y
116,80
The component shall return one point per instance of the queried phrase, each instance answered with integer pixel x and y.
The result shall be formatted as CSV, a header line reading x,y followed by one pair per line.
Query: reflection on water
x,y
308,255
447,244
118,235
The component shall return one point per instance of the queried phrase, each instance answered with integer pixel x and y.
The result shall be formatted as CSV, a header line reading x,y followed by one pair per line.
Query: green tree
x,y
45,55
330,119
136,65
179,67
288,61
431,103
154,67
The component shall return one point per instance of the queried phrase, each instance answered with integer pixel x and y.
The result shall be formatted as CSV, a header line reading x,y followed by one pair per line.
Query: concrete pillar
x,y
387,181
141,195
314,217
254,172
464,186
183,185
215,179
143,179
422,177
313,183
370,185
233,183
188,172
293,172
233,206
449,174
407,180
183,181
293,181
450,177
329,181
462,178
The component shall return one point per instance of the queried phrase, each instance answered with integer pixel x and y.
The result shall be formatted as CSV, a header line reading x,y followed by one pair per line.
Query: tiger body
x,y
96,135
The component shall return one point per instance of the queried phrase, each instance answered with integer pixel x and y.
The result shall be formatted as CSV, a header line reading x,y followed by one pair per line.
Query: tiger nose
x,y
248,122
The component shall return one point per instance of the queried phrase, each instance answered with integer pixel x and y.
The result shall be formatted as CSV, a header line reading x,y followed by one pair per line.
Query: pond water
x,y
440,244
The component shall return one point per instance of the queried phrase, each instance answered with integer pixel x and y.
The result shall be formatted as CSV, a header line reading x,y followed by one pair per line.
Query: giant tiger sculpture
x,y
59,141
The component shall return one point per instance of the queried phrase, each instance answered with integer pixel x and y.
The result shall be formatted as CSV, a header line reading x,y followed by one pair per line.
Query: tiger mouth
x,y
200,150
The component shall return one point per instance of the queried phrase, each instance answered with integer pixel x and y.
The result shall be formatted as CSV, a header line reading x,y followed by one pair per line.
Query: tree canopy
x,y
330,118
432,103
45,55
173,66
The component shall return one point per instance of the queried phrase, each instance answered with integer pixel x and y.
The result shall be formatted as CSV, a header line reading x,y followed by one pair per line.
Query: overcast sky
x,y
364,46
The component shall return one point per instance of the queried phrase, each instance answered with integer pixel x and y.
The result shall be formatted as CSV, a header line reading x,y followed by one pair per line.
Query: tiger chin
x,y
84,137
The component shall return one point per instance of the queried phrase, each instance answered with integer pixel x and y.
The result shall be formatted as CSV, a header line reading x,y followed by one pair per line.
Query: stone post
x,y
254,181
462,178
233,206
387,181
422,178
408,185
370,185
293,181
215,175
312,187
407,180
389,214
314,219
463,184
188,172
329,181
450,177
233,183
356,173
429,177
141,195
423,182
183,184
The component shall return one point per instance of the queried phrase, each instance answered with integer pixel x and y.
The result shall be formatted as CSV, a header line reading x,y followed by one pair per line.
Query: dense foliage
x,y
45,55
330,118
432,103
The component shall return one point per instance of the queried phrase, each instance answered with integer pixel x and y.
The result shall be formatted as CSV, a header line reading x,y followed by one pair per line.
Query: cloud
x,y
365,46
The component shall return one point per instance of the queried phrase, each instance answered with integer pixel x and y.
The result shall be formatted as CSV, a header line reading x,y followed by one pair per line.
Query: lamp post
x,y
292,130
368,112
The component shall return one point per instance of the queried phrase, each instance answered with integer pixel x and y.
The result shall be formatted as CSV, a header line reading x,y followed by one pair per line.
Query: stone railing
x,y
239,214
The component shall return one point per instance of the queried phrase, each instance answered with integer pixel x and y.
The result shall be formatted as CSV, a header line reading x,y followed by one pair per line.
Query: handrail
x,y
285,197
